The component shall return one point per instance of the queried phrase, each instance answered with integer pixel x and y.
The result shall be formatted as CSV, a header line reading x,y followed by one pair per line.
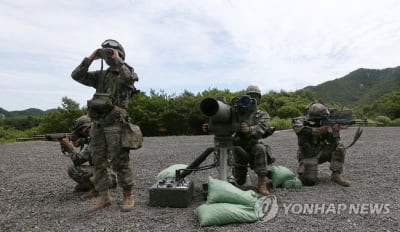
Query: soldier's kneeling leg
x,y
79,175
260,162
337,159
240,172
308,171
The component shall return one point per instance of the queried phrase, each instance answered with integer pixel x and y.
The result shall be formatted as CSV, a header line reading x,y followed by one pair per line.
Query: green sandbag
x,y
170,171
280,174
224,213
293,183
223,192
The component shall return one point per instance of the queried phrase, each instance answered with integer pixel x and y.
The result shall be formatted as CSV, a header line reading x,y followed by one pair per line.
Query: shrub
x,y
288,112
383,119
395,122
281,124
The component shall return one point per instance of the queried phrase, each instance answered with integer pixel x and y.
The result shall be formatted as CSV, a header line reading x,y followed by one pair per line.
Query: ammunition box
x,y
171,193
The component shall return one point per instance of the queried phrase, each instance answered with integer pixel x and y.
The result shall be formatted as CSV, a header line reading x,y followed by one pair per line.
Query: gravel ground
x,y
37,195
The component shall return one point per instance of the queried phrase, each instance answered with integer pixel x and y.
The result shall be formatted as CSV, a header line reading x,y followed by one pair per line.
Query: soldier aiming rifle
x,y
82,169
319,141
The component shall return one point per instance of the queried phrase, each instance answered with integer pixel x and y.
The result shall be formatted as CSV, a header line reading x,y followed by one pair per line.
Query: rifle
x,y
59,136
342,122
35,137
71,136
56,137
50,137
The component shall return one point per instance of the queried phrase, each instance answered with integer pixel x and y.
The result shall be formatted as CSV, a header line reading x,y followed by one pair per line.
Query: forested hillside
x,y
370,93
27,112
362,86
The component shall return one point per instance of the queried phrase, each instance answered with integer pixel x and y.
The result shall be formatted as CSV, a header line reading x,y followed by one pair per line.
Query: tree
x,y
69,104
182,116
288,111
273,101
21,122
146,111
60,120
388,105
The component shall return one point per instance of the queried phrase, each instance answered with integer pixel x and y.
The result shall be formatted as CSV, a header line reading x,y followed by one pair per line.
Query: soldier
x,y
318,145
252,129
79,171
82,169
107,109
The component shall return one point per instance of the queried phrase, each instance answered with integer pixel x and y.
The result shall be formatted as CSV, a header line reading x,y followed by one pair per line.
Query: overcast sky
x,y
194,45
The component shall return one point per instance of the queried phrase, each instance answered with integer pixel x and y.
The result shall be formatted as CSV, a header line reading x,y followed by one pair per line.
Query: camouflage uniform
x,y
258,122
107,128
315,148
82,173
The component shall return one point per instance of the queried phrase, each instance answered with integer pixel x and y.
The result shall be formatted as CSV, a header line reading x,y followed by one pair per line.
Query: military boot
x,y
82,187
339,179
92,193
262,185
127,202
103,201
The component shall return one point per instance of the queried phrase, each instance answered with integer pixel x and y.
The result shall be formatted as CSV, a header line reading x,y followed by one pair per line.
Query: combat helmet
x,y
80,125
253,89
110,43
317,111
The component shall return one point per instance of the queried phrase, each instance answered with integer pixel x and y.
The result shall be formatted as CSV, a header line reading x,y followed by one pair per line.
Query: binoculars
x,y
105,53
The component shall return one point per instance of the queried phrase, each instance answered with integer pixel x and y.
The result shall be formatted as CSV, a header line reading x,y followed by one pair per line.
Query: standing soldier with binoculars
x,y
107,109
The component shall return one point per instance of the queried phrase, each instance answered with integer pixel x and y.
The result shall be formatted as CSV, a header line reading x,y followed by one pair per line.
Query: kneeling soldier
x,y
318,144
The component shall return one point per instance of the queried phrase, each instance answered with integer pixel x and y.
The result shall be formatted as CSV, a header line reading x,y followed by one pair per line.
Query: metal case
x,y
170,193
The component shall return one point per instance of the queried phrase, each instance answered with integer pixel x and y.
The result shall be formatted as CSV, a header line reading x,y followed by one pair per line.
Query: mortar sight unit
x,y
225,119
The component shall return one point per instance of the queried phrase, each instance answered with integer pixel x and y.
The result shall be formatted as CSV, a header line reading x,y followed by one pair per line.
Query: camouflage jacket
x,y
81,157
308,133
258,123
119,82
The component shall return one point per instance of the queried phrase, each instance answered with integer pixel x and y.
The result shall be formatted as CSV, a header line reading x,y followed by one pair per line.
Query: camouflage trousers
x,y
107,151
310,156
257,159
81,175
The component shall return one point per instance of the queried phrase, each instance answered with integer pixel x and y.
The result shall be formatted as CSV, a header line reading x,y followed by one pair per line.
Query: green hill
x,y
27,112
362,86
